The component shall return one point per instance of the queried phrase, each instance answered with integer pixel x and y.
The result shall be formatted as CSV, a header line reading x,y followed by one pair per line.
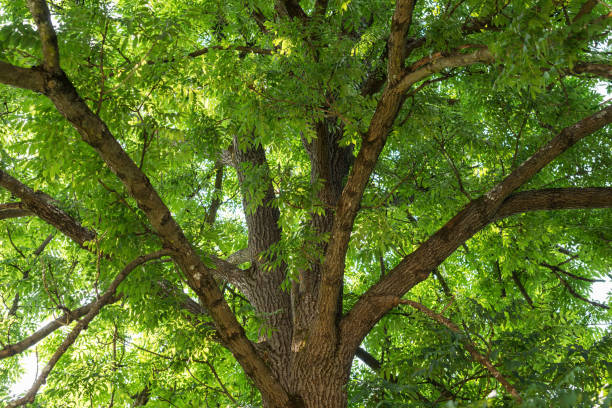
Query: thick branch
x,y
265,293
48,39
417,266
439,62
349,203
95,308
597,69
400,24
25,78
556,199
41,205
290,8
470,347
95,132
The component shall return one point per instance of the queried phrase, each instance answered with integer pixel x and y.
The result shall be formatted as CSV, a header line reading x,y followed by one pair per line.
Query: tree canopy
x,y
363,203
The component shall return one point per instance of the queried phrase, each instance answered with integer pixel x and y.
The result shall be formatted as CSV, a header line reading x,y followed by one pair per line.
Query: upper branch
x,y
400,24
41,205
555,199
417,266
593,68
440,61
95,132
372,144
290,8
48,38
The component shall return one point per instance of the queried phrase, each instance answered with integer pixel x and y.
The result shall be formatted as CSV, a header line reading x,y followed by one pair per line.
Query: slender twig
x,y
477,356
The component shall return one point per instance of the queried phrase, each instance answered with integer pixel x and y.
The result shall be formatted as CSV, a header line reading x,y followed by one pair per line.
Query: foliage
x,y
183,84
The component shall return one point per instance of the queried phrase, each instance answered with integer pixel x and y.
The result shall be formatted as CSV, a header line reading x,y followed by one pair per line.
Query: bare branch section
x,y
417,266
593,68
95,132
48,38
211,214
368,359
439,62
94,309
470,347
13,210
290,8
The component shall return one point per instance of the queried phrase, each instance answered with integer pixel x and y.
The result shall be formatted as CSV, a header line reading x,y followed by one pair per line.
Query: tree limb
x,y
469,346
93,311
571,275
25,78
67,318
48,38
417,266
573,292
350,200
400,24
368,359
597,69
439,62
211,214
41,205
519,285
555,199
290,8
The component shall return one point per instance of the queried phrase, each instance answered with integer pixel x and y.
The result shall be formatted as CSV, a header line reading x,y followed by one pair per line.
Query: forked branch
x,y
105,299
417,266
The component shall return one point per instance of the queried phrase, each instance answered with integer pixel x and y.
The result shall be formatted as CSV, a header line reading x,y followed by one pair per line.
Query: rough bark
x,y
264,291
330,164
41,205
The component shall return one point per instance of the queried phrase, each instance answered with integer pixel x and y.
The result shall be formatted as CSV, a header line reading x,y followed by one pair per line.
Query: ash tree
x,y
305,204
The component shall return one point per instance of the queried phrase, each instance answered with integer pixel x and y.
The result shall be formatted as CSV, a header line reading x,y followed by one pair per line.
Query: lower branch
x,y
470,347
105,299
519,285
